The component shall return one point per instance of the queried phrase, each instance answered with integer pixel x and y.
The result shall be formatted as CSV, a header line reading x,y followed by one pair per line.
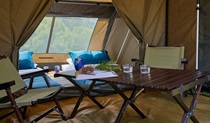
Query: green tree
x,y
69,33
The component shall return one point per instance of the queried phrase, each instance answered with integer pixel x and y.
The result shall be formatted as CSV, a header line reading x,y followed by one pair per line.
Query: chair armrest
x,y
184,61
33,74
6,85
137,62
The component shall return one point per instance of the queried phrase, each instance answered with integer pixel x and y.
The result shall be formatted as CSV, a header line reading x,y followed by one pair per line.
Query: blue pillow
x,y
84,54
100,56
25,60
90,57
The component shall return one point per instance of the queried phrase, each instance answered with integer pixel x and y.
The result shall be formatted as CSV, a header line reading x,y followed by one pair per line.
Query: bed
x,y
27,65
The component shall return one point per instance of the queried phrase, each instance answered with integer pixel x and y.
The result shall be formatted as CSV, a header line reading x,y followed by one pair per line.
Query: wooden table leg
x,y
127,101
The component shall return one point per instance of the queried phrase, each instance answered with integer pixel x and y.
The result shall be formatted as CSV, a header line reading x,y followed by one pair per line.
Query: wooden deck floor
x,y
158,107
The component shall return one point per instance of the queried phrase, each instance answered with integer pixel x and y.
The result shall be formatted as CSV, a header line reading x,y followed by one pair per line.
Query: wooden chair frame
x,y
31,96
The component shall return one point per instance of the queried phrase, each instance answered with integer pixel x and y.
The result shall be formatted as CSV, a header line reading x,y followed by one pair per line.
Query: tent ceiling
x,y
86,1
86,9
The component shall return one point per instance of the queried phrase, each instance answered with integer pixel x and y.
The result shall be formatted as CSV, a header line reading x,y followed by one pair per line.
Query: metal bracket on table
x,y
190,85
181,91
208,76
191,113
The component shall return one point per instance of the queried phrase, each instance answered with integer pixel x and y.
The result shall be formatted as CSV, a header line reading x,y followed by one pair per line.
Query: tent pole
x,y
197,33
119,54
50,35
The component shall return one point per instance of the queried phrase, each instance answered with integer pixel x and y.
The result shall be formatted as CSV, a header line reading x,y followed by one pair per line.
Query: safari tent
x,y
122,28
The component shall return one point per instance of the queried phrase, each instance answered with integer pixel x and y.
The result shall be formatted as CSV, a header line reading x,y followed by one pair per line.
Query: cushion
x,y
69,60
85,55
25,60
90,57
100,56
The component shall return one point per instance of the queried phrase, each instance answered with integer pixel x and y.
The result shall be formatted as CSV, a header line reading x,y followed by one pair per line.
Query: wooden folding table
x,y
175,82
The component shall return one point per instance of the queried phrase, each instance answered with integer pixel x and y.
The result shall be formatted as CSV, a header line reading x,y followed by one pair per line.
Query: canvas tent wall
x,y
204,36
146,21
182,27
183,21
180,24
18,21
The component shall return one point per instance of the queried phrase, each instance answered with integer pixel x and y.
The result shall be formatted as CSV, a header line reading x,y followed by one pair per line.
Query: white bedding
x,y
26,71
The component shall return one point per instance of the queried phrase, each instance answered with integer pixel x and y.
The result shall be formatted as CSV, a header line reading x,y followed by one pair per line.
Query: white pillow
x,y
67,67
35,65
69,60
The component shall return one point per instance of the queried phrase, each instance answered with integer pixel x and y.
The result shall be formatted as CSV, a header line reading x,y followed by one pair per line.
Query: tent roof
x,y
86,1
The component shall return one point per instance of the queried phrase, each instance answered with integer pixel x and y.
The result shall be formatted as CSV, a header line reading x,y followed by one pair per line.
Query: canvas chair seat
x,y
11,82
31,97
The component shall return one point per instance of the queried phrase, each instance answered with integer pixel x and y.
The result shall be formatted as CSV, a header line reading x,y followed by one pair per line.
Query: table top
x,y
163,79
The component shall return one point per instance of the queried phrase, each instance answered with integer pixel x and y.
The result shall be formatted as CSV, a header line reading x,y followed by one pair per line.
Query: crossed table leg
x,y
127,101
83,94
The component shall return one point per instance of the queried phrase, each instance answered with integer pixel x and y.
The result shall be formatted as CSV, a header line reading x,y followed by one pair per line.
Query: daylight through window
x,y
68,33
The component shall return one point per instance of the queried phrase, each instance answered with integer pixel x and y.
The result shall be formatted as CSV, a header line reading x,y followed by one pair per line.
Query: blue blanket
x,y
87,82
39,82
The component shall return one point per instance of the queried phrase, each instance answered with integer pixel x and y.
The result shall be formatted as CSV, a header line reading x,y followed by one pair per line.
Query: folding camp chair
x,y
11,84
171,57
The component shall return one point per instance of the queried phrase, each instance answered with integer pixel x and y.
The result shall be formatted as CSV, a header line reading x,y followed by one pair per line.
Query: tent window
x,y
68,34
39,39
